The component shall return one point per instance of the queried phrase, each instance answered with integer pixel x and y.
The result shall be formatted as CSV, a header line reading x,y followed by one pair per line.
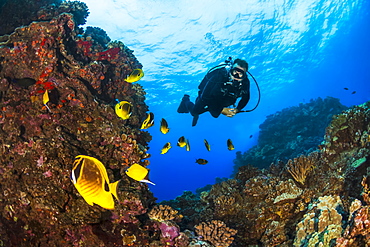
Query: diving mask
x,y
237,73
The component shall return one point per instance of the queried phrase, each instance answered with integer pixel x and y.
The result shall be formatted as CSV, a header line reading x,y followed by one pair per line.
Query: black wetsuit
x,y
216,92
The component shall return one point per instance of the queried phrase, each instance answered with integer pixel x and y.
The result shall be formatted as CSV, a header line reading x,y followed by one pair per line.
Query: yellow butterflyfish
x,y
123,109
165,148
45,99
90,178
164,126
181,142
208,147
138,173
135,75
230,145
187,145
148,122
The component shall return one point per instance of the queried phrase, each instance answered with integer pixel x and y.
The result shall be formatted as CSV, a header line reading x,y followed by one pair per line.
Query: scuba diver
x,y
219,89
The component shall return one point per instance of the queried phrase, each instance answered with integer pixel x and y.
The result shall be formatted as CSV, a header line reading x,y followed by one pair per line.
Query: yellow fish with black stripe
x,y
123,109
208,147
230,145
181,142
164,126
148,122
90,178
135,75
165,148
187,145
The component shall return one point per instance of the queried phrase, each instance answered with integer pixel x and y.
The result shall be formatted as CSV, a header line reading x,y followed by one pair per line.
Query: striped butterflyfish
x,y
90,178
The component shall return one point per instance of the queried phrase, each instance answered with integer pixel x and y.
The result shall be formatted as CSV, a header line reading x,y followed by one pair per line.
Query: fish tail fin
x,y
113,189
147,181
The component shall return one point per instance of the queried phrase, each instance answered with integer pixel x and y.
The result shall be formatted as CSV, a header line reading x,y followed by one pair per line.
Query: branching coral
x,y
300,167
164,213
216,232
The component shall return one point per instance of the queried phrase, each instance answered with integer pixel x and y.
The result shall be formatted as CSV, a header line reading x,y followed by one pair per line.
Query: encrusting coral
x,y
322,223
216,232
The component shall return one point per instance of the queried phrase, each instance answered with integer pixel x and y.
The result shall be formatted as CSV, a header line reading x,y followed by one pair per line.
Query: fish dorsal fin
x,y
147,181
77,168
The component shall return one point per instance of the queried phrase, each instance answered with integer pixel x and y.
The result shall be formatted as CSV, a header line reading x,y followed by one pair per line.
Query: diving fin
x,y
195,120
183,105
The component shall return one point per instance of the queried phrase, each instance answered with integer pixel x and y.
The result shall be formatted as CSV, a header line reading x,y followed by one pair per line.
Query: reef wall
x,y
83,74
290,132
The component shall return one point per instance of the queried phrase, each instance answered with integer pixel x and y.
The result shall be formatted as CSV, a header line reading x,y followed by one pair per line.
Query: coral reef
x,y
38,145
290,133
307,197
16,13
311,200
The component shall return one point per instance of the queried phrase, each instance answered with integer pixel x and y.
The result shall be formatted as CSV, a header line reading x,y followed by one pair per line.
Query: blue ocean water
x,y
297,50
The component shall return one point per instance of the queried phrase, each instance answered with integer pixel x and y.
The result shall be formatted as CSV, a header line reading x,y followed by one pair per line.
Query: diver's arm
x,y
243,102
245,97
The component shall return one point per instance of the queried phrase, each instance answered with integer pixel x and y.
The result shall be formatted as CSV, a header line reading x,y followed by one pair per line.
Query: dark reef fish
x,y
201,161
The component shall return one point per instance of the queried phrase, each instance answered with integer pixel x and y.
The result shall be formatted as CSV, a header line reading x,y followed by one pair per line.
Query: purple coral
x,y
169,232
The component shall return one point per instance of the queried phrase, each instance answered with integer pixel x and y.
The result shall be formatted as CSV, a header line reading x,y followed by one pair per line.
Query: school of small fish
x,y
89,175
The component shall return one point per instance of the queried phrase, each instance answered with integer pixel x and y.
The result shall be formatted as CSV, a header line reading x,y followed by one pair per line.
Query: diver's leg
x,y
215,111
199,108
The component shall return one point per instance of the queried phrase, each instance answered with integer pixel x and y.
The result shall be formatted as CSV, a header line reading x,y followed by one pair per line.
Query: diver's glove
x,y
229,112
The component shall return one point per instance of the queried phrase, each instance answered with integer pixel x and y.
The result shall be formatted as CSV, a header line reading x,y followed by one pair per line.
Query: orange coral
x,y
216,232
164,213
